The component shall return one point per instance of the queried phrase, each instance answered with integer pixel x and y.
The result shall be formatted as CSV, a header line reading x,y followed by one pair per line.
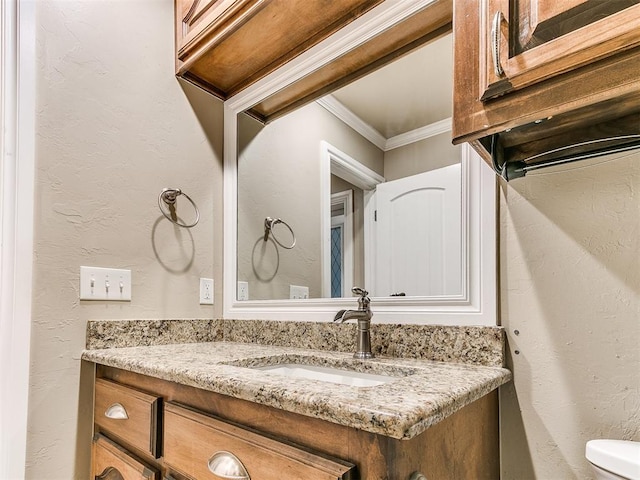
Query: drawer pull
x,y
110,473
116,412
227,465
417,476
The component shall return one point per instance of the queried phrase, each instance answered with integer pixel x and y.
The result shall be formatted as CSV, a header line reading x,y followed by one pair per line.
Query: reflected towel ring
x,y
268,228
169,197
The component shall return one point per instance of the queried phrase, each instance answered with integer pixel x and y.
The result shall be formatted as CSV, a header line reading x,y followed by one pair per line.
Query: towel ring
x,y
268,228
168,196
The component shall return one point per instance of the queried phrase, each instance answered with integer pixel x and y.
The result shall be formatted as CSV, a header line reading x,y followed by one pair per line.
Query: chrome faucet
x,y
363,315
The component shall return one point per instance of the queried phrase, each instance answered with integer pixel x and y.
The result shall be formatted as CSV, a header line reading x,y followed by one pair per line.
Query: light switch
x,y
105,284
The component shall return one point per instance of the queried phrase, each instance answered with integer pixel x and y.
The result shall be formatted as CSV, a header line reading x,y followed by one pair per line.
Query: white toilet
x,y
614,459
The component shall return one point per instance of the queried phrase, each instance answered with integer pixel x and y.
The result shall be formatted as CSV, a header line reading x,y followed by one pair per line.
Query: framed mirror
x,y
360,187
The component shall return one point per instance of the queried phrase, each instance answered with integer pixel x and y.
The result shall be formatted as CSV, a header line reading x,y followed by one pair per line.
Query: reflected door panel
x,y
419,234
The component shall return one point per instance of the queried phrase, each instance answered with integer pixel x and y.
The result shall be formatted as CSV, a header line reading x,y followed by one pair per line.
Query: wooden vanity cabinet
x,y
197,423
543,74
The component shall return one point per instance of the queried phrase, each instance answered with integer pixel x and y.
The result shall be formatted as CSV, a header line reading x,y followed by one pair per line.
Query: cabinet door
x,y
529,41
194,442
570,79
112,462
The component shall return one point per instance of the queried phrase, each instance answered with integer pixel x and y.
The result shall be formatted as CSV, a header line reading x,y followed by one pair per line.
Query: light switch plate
x,y
111,284
297,292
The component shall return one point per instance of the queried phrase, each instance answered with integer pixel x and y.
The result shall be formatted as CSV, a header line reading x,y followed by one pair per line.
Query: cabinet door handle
x,y
227,465
110,473
495,44
116,412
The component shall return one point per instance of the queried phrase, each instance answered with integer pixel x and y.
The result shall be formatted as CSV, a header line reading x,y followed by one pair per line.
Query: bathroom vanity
x,y
186,402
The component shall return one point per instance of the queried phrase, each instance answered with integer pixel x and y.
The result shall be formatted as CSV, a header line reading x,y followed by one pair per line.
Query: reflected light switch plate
x,y
297,292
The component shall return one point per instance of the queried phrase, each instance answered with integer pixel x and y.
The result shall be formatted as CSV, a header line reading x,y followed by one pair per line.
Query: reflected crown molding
x,y
339,110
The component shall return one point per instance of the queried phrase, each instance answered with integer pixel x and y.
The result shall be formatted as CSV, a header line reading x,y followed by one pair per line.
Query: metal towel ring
x,y
169,197
268,228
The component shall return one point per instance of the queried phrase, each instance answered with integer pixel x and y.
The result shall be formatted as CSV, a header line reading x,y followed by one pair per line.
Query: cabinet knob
x,y
227,465
495,44
116,412
417,476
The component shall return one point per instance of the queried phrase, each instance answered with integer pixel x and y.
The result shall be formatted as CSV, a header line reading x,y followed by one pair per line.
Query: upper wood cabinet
x,y
545,74
225,45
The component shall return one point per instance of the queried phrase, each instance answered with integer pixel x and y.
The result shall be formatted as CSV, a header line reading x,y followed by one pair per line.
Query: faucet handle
x,y
359,291
363,301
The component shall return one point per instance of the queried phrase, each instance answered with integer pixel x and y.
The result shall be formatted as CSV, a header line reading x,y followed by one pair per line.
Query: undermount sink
x,y
328,374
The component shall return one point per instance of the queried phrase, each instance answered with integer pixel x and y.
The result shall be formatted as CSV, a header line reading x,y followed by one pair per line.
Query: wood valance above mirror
x,y
226,46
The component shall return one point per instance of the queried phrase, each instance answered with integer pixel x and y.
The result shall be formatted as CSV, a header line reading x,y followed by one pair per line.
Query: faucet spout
x,y
363,315
339,316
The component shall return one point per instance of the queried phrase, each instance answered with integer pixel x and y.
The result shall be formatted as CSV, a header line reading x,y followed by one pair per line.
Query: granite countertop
x,y
424,393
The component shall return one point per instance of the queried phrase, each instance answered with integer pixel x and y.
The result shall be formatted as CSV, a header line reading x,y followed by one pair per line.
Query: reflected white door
x,y
419,234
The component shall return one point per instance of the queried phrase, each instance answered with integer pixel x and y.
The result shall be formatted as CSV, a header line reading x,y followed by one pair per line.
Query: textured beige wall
x,y
570,284
114,127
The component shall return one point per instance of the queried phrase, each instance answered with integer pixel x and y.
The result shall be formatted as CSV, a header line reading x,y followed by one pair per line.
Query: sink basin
x,y
328,374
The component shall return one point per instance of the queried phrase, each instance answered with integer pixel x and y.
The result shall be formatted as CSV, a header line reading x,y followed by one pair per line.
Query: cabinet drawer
x,y
192,439
128,414
112,462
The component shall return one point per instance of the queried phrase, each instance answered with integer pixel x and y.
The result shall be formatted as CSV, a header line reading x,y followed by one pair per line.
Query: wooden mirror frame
x,y
477,305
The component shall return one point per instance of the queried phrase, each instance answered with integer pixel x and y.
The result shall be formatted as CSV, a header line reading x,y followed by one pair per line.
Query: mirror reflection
x,y
363,184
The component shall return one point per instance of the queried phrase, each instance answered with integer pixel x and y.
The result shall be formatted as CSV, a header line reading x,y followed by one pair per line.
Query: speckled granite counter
x,y
424,393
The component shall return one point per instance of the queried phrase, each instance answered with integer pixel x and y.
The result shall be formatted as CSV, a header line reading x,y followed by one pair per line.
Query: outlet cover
x,y
206,291
243,291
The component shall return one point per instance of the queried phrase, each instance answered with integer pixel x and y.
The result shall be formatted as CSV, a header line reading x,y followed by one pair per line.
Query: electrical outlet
x,y
206,291
105,284
297,292
243,291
